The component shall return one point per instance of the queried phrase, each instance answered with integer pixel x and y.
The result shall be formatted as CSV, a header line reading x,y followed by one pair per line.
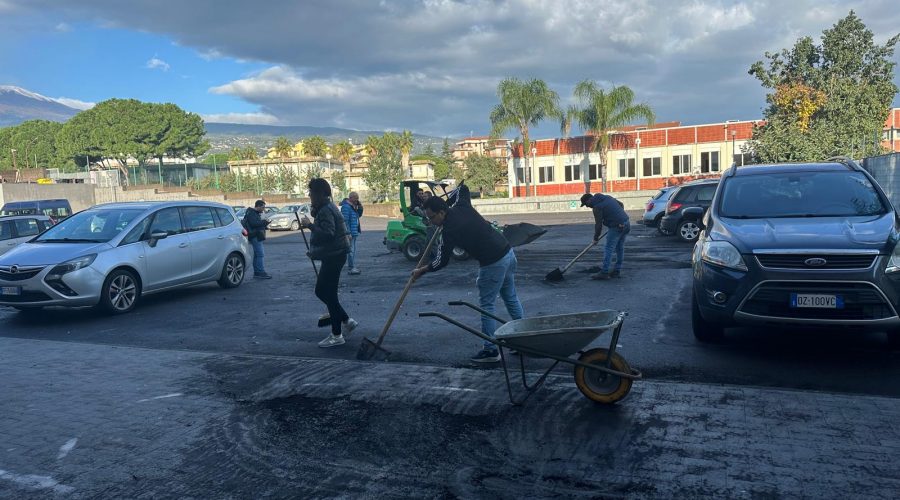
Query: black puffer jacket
x,y
256,226
330,237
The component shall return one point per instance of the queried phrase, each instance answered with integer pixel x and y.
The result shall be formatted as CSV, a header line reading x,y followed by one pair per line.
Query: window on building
x,y
545,174
520,175
709,162
652,166
626,167
742,159
681,164
593,172
573,173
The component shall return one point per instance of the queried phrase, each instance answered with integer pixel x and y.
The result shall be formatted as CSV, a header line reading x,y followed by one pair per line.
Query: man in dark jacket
x,y
609,212
256,233
462,226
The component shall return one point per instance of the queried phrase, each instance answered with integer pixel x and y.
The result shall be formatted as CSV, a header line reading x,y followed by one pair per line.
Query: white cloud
x,y
243,118
75,103
156,63
63,28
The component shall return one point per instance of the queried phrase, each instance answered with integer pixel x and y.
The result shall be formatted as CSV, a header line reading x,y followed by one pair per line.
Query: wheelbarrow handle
x,y
457,323
473,306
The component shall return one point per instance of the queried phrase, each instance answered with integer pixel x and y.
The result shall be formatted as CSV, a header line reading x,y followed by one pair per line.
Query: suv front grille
x,y
21,274
862,301
798,261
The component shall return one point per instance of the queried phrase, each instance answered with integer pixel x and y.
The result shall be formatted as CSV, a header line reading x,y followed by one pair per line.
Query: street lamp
x,y
328,157
733,152
637,161
14,159
533,160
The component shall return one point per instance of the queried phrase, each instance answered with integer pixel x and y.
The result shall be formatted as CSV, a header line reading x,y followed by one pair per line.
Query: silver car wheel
x,y
234,270
122,292
689,231
295,226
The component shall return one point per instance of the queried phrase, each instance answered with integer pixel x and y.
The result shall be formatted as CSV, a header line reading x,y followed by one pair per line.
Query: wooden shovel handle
x,y
409,283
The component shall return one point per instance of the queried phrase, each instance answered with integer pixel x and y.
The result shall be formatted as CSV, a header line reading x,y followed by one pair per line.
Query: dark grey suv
x,y
802,244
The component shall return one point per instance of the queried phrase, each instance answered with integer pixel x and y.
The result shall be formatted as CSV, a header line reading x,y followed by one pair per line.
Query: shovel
x,y
369,349
325,319
557,274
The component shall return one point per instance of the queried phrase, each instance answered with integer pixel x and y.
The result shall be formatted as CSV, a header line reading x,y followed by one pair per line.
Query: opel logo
x,y
13,269
815,262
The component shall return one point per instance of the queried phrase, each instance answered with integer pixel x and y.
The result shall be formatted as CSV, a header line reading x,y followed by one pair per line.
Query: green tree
x,y
216,158
483,172
286,179
311,171
428,152
826,100
385,170
343,151
35,145
315,146
447,152
523,104
339,182
441,169
599,111
282,147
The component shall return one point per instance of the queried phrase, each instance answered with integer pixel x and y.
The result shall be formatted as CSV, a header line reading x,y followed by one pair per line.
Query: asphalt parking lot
x,y
278,316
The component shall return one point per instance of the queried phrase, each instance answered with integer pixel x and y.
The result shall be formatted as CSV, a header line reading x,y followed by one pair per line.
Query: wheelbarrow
x,y
601,374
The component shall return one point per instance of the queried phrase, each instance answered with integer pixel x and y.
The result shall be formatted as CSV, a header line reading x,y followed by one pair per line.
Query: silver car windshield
x,y
91,226
800,194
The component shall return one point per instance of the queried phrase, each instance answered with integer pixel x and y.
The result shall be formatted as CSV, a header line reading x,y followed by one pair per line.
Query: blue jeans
x,y
615,242
498,279
351,257
258,255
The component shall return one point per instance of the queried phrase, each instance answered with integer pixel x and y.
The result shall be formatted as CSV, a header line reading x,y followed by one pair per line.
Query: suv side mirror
x,y
155,236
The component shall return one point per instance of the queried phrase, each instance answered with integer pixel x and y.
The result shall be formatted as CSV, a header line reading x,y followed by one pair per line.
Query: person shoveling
x,y
465,228
557,274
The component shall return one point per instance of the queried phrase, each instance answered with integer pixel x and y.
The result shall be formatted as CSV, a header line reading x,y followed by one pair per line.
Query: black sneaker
x,y
601,276
263,276
486,356
615,274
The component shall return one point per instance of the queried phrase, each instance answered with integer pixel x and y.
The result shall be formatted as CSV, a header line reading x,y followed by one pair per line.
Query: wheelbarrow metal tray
x,y
558,335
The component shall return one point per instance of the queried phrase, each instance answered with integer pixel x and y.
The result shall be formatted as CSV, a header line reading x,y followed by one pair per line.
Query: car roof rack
x,y
846,161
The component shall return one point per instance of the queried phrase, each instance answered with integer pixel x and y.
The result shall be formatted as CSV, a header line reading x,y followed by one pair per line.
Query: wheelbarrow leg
x,y
529,389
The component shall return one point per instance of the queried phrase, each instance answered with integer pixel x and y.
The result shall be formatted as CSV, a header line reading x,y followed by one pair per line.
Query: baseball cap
x,y
584,199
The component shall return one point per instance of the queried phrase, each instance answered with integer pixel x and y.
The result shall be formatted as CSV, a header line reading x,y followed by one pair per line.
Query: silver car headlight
x,y
894,264
70,266
722,253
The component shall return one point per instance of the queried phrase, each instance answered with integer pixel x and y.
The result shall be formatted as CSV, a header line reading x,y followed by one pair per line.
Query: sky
x,y
430,66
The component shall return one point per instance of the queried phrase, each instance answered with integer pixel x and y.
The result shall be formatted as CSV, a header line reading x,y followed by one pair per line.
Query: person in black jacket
x,y
465,228
256,233
329,243
609,212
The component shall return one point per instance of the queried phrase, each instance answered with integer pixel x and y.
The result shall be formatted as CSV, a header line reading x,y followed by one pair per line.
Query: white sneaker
x,y
354,271
350,325
332,341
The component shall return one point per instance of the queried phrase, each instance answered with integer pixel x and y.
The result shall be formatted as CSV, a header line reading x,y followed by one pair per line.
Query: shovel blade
x,y
370,350
554,275
522,233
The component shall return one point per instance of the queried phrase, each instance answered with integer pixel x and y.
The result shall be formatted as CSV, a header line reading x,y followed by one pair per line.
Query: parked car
x,y
656,208
17,229
111,255
286,217
797,244
693,194
268,212
57,209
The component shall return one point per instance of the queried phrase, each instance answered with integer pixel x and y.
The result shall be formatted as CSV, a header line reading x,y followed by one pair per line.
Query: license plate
x,y
11,290
815,300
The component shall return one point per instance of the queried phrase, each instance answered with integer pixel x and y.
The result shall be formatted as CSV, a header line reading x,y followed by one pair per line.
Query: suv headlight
x,y
722,253
70,266
894,264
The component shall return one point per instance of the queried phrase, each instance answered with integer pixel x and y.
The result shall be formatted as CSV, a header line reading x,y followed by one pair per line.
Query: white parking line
x,y
66,448
444,388
173,395
35,482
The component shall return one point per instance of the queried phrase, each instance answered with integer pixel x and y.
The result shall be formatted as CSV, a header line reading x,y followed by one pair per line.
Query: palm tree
x,y
600,112
406,144
315,146
343,151
523,104
282,147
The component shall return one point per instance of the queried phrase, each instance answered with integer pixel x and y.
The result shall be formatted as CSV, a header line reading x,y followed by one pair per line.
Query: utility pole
x,y
14,159
637,161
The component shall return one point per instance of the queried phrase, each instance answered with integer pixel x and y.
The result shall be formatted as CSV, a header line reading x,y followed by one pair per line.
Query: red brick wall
x,y
681,136
711,133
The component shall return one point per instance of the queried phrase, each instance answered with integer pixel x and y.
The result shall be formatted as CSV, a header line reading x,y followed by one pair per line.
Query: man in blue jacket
x,y
609,212
352,210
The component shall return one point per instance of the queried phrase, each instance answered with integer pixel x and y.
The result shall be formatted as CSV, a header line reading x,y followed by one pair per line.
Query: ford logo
x,y
13,269
815,262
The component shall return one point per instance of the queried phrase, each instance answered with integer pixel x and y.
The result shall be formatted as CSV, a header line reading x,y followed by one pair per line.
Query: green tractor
x,y
409,235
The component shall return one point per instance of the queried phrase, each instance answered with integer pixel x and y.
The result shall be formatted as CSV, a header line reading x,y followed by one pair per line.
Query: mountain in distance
x,y
18,105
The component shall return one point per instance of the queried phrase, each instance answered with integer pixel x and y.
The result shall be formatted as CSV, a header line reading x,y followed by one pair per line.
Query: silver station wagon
x,y
110,255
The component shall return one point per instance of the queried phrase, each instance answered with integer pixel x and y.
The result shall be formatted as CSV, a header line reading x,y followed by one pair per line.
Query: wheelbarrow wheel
x,y
599,386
